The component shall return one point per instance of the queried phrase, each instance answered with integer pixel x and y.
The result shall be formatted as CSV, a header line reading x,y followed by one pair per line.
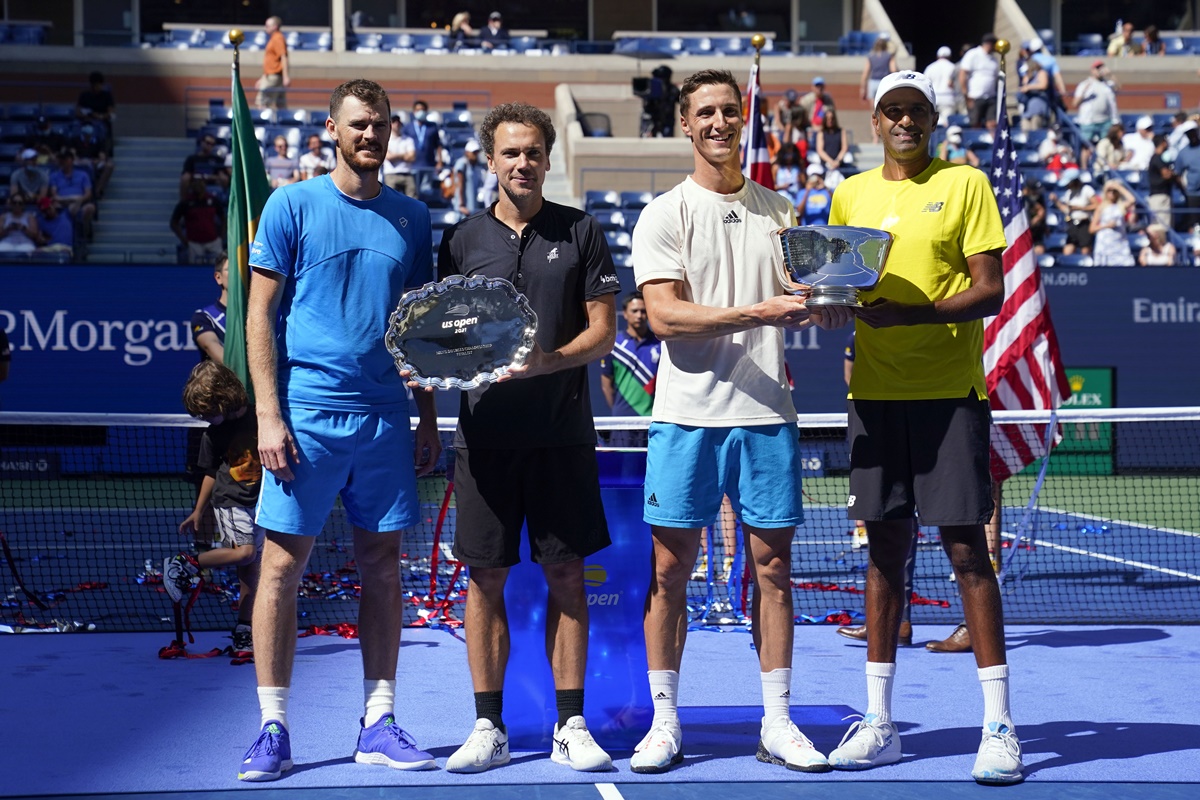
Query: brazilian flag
x,y
248,190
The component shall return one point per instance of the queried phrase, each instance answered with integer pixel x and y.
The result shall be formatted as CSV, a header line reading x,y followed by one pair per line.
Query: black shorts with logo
x,y
554,491
931,455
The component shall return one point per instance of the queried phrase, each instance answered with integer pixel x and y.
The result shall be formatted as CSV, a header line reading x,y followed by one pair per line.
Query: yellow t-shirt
x,y
937,219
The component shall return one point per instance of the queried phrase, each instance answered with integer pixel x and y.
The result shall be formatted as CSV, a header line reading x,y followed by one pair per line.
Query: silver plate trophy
x,y
834,262
461,333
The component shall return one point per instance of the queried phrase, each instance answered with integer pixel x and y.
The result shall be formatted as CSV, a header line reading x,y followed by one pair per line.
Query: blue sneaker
x,y
386,744
270,756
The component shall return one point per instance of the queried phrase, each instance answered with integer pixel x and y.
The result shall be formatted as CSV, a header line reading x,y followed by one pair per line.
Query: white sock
x,y
879,690
664,690
273,703
380,700
777,694
995,695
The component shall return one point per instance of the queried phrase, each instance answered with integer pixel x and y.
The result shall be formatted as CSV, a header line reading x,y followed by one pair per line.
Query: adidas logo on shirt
x,y
732,218
653,501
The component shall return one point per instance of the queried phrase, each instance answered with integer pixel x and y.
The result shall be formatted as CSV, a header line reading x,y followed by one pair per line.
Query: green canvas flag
x,y
248,190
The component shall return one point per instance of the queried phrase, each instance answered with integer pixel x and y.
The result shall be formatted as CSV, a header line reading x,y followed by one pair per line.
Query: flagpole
x,y
1002,47
757,41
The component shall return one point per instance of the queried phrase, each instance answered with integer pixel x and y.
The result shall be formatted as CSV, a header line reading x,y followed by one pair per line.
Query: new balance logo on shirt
x,y
653,501
731,218
932,207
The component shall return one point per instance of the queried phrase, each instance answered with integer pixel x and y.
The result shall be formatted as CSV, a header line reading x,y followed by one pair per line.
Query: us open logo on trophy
x,y
833,262
461,333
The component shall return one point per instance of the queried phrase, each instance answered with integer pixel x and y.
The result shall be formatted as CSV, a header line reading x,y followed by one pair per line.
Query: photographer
x,y
660,98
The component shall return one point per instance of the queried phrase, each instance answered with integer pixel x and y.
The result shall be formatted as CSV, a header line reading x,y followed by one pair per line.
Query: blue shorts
x,y
689,469
365,457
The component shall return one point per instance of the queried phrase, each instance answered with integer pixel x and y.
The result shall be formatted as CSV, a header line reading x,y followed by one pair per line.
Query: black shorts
x,y
1080,235
931,455
554,491
982,110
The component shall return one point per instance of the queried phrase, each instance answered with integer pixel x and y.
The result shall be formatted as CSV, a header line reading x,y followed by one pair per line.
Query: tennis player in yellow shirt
x,y
918,410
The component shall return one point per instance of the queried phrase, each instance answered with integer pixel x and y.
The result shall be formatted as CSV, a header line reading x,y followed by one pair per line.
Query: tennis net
x,y
90,507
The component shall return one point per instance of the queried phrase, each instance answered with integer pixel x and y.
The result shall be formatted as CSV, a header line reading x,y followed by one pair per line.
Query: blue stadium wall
x,y
116,339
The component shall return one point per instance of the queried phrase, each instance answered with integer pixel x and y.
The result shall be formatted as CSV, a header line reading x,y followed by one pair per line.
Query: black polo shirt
x,y
558,262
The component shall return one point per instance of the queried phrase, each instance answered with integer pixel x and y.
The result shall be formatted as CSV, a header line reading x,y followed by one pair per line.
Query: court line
x,y
1127,524
609,792
1105,557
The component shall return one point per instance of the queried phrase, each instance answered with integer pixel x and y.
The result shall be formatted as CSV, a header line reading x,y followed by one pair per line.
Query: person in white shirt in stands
x,y
944,75
978,73
397,167
317,161
1139,145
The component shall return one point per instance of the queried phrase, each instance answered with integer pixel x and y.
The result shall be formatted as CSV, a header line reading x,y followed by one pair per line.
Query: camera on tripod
x,y
659,99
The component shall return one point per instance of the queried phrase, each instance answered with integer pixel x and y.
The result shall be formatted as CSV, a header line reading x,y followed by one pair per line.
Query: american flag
x,y
756,160
1020,351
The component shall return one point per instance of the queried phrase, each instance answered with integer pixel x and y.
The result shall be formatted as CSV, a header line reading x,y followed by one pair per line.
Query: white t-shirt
x,y
399,146
984,72
723,249
1140,150
310,161
1078,203
944,75
1095,102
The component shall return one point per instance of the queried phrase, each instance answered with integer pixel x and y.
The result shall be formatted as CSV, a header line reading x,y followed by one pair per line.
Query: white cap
x,y
815,169
1036,44
884,35
944,52
1069,174
905,79
954,130
28,154
1145,123
472,146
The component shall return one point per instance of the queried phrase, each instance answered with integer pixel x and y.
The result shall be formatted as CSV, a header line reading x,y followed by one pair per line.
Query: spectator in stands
x,y
207,165
881,61
275,78
18,227
812,207
953,150
1057,89
1095,104
398,165
1158,252
43,134
815,102
469,171
1111,228
627,373
1048,147
832,145
282,169
1160,178
1038,112
1062,159
199,224
977,76
1139,145
1077,201
1035,212
461,32
1152,43
57,230
91,154
786,169
1181,123
96,106
208,323
1187,167
1111,151
1122,44
317,158
28,179
494,34
73,188
792,120
944,74
427,139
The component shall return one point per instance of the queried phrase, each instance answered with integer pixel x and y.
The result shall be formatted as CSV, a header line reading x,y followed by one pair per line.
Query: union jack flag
x,y
756,159
1020,350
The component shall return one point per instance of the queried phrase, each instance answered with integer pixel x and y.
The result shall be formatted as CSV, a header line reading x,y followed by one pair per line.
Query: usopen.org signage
x,y
100,338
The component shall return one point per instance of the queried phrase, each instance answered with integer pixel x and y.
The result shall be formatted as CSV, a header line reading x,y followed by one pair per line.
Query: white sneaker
x,y
575,747
486,747
868,743
782,743
659,750
999,759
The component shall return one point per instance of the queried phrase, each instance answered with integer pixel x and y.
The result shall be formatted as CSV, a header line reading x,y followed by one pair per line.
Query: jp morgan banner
x,y
116,339
100,338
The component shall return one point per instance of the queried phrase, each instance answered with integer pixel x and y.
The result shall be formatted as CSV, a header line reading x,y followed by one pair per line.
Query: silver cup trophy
x,y
834,262
461,333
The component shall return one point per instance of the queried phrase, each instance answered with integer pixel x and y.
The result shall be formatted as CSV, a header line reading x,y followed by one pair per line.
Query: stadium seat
x,y
609,219
1073,260
366,43
631,218
26,112
731,46
523,44
1055,240
10,150
291,116
220,115
1089,44
620,245
457,138
59,112
13,131
636,200
697,45
441,218
456,118
595,48
595,124
26,34
594,199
